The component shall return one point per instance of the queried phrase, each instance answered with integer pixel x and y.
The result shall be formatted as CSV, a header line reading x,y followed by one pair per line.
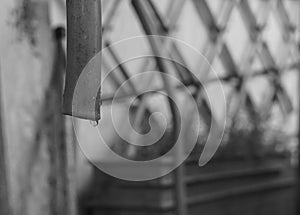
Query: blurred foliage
x,y
251,137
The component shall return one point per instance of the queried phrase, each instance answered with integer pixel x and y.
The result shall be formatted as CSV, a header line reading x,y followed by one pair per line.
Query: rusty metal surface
x,y
83,43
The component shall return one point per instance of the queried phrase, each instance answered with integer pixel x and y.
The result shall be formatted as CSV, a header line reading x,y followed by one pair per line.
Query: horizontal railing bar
x,y
109,98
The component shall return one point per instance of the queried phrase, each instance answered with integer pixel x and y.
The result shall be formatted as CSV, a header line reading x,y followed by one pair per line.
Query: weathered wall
x,y
26,61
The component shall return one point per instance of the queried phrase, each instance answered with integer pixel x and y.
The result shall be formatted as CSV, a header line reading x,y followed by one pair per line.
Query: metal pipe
x,y
4,192
84,36
298,169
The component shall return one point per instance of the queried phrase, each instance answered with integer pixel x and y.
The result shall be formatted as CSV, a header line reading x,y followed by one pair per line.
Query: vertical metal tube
x,y
298,170
84,31
4,193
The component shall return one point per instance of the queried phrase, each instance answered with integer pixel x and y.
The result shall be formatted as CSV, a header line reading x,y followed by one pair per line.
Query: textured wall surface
x,y
26,61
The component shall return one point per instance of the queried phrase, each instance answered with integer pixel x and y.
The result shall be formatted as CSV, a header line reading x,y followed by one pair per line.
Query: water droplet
x,y
94,123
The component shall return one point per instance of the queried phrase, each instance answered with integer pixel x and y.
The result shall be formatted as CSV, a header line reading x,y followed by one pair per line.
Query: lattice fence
x,y
252,45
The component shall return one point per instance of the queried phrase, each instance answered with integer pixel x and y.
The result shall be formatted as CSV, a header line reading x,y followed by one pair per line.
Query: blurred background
x,y
251,48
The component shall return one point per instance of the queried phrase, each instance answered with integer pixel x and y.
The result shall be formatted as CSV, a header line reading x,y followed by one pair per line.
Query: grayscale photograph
x,y
149,107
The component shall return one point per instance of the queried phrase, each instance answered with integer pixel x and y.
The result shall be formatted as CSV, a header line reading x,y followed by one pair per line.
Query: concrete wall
x,y
26,62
